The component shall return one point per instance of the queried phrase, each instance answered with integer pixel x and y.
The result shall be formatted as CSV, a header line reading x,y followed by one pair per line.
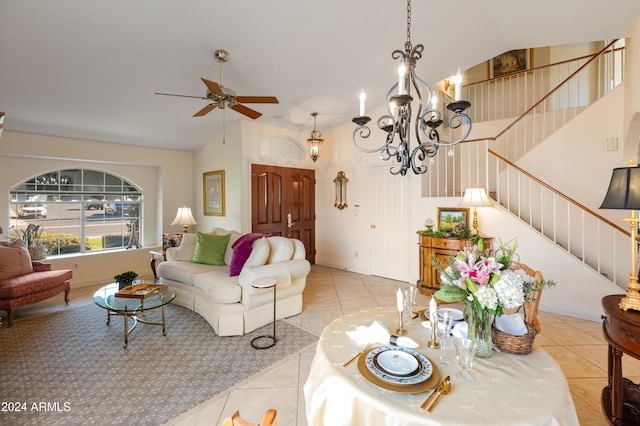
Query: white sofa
x,y
229,303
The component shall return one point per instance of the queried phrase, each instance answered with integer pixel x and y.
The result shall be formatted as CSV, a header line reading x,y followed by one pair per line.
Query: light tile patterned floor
x,y
577,345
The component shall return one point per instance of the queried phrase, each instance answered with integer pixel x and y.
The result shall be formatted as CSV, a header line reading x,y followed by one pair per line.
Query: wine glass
x,y
465,352
443,330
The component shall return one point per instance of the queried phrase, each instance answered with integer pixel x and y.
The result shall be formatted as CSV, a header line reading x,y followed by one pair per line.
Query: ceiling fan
x,y
224,97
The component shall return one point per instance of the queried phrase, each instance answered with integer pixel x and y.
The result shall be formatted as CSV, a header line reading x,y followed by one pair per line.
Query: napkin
x,y
460,330
378,333
512,324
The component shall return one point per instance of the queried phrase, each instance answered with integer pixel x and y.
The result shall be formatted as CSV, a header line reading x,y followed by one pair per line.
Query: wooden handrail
x,y
545,97
560,194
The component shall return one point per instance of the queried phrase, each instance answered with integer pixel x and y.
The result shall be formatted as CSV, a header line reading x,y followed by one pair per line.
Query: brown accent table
x,y
155,255
621,329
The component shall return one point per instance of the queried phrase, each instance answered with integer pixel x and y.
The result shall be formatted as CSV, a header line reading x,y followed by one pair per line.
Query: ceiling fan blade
x,y
246,111
213,87
257,99
182,96
204,111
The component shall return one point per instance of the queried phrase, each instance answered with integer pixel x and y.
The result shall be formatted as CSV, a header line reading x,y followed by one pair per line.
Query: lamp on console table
x,y
184,218
624,194
475,197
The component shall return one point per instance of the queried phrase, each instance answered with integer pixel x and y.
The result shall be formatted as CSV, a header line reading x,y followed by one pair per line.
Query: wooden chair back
x,y
269,419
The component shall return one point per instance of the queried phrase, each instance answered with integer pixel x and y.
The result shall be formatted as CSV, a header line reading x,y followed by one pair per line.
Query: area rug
x,y
70,368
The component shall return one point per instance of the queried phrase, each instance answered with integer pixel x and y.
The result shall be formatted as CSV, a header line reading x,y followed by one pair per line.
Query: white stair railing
x,y
490,163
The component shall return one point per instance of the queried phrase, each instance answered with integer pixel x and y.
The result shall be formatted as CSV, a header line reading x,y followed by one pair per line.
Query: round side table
x,y
266,283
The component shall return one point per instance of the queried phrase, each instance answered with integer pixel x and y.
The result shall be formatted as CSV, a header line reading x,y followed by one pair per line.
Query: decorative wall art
x,y
213,193
449,217
510,62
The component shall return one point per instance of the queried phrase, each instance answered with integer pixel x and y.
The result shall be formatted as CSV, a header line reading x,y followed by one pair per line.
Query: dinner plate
x,y
399,365
456,314
423,386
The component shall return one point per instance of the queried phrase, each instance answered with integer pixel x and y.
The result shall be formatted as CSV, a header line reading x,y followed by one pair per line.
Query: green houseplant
x,y
125,279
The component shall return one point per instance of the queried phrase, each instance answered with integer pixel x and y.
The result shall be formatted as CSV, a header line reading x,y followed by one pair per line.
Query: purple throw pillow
x,y
241,253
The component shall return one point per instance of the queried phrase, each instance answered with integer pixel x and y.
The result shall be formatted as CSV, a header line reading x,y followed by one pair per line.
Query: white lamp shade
x,y
476,197
184,217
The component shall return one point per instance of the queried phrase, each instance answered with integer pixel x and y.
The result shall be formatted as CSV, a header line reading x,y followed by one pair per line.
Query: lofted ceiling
x,y
89,69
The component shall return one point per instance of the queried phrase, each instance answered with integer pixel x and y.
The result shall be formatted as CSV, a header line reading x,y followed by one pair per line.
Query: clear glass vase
x,y
479,330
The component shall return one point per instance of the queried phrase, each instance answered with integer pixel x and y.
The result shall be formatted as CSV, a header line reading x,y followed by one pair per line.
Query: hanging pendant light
x,y
398,120
315,141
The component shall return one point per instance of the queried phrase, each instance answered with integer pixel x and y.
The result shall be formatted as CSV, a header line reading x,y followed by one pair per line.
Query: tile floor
x,y
577,345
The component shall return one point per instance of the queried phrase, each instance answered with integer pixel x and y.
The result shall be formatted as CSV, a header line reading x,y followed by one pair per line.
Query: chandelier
x,y
398,120
315,141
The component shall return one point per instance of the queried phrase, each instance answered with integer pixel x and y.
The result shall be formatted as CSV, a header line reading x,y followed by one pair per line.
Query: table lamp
x,y
624,194
184,218
475,197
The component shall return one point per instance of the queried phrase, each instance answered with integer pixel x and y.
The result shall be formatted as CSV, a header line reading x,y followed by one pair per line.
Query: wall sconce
x,y
184,218
315,141
341,190
1,122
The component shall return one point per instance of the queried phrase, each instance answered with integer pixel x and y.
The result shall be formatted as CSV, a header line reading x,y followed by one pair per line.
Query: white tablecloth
x,y
508,390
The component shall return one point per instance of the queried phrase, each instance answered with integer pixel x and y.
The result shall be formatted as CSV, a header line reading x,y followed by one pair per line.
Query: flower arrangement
x,y
30,235
486,282
459,231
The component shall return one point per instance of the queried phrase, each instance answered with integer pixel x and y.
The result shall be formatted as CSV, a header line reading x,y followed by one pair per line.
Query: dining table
x,y
507,389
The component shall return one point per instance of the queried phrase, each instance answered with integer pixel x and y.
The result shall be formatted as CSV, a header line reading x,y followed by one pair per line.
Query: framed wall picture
x,y
449,217
510,62
213,189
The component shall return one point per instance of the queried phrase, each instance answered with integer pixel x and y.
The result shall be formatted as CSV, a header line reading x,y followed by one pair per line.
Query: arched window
x,y
78,210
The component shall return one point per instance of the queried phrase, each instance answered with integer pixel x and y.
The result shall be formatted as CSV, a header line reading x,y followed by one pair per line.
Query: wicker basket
x,y
521,345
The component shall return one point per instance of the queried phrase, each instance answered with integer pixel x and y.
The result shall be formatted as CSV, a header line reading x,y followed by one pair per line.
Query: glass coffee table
x,y
134,308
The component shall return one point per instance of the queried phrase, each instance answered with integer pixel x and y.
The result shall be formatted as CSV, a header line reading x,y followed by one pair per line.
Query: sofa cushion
x,y
281,249
210,249
299,251
260,250
233,237
14,261
241,250
218,286
187,247
32,283
181,271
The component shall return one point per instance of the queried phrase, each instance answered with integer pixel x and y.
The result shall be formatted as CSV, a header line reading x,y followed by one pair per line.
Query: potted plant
x,y
125,279
31,236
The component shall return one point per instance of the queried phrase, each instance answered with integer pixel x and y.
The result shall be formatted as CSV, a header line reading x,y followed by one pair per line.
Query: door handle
x,y
372,226
289,223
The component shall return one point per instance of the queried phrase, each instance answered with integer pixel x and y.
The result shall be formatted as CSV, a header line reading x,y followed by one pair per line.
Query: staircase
x,y
532,106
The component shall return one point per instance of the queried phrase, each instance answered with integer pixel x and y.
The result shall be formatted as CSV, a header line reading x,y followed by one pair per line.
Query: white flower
x,y
487,297
509,289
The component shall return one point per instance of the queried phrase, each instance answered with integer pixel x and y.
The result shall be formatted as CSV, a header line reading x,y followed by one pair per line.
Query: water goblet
x,y
443,330
465,352
410,295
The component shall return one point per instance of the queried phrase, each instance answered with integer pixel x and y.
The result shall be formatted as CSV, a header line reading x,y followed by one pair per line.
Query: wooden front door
x,y
283,203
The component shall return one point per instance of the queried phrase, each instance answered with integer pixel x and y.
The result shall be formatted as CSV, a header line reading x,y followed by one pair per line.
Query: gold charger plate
x,y
413,388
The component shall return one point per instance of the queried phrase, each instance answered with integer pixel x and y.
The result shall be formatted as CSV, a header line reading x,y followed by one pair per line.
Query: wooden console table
x,y
621,329
443,249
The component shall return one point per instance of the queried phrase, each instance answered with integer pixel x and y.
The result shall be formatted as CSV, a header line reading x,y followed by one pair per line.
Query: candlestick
x,y
363,96
402,72
457,93
399,300
400,331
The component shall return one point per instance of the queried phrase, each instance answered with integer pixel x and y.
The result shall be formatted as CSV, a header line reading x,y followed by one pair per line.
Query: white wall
x,y
163,175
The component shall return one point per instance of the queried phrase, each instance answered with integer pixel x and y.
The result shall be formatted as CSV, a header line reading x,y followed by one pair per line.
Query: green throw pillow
x,y
210,249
